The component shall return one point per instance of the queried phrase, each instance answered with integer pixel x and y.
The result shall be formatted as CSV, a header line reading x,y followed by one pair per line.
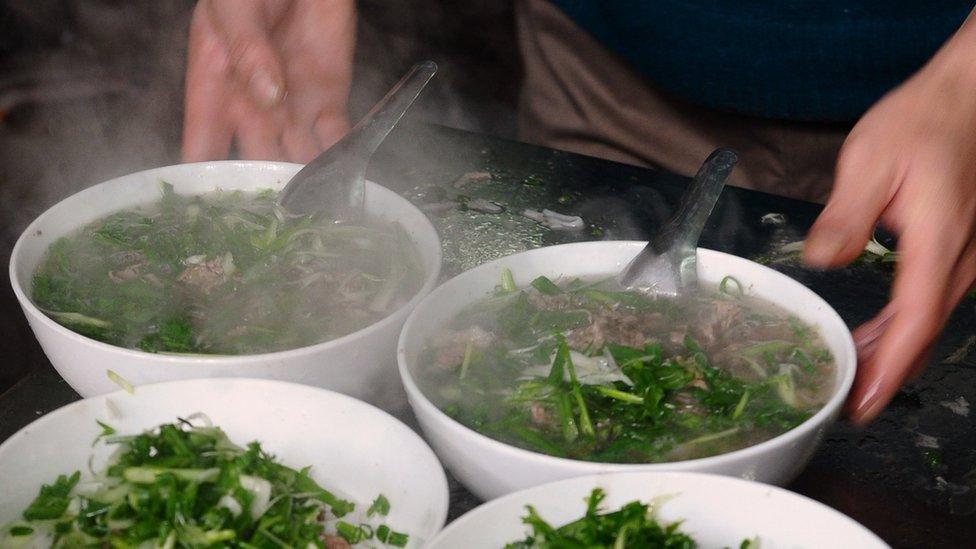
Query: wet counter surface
x,y
910,476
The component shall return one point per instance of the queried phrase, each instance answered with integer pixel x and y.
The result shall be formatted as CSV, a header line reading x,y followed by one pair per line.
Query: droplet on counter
x,y
926,441
959,355
960,406
555,220
792,247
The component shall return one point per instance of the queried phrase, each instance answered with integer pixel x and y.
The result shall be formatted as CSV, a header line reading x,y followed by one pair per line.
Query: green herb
x,y
617,394
466,362
586,426
18,531
633,525
546,286
175,335
627,299
389,537
120,381
380,506
508,281
731,286
107,431
741,406
53,499
353,533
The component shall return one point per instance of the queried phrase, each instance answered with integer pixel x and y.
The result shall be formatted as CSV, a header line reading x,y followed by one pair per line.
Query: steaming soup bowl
x,y
361,364
490,468
345,442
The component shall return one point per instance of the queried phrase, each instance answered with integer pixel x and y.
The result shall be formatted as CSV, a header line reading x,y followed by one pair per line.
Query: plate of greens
x,y
236,463
654,510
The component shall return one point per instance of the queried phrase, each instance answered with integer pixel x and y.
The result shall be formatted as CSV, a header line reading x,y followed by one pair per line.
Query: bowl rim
x,y
463,522
269,385
32,310
418,399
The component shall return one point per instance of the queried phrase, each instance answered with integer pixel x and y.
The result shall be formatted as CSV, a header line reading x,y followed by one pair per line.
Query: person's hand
x,y
910,164
272,74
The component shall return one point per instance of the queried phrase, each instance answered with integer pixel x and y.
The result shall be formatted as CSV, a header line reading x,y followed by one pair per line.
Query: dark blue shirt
x,y
821,60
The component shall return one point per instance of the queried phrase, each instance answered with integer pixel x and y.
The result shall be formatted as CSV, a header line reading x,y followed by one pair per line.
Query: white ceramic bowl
x,y
716,511
361,364
490,468
348,443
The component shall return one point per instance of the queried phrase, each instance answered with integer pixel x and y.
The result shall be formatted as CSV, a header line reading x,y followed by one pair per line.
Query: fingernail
x,y
822,247
869,405
265,90
866,350
867,339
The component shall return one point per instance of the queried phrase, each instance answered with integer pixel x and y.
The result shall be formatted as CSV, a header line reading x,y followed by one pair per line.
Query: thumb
x,y
862,190
243,28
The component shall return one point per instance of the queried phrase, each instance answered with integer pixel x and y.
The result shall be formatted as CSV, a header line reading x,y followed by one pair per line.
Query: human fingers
x,y
863,188
207,128
252,56
920,307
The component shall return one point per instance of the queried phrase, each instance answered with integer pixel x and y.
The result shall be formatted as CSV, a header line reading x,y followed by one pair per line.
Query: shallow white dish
x,y
490,468
361,364
348,443
716,511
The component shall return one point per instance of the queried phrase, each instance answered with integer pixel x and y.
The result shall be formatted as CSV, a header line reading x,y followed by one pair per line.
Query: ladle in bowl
x,y
333,182
668,264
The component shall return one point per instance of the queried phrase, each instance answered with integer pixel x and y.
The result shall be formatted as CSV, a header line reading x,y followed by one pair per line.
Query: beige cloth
x,y
578,96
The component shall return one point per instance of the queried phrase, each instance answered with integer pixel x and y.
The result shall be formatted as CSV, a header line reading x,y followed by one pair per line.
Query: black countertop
x,y
910,476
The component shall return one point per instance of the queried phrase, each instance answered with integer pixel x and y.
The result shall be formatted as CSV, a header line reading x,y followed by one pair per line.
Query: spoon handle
x,y
685,226
668,263
370,132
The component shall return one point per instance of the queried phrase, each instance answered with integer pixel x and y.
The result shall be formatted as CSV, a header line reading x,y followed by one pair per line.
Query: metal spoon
x,y
334,182
668,264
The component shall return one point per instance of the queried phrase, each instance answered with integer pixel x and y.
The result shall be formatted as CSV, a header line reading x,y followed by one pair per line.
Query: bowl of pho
x,y
536,367
654,509
219,463
193,271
